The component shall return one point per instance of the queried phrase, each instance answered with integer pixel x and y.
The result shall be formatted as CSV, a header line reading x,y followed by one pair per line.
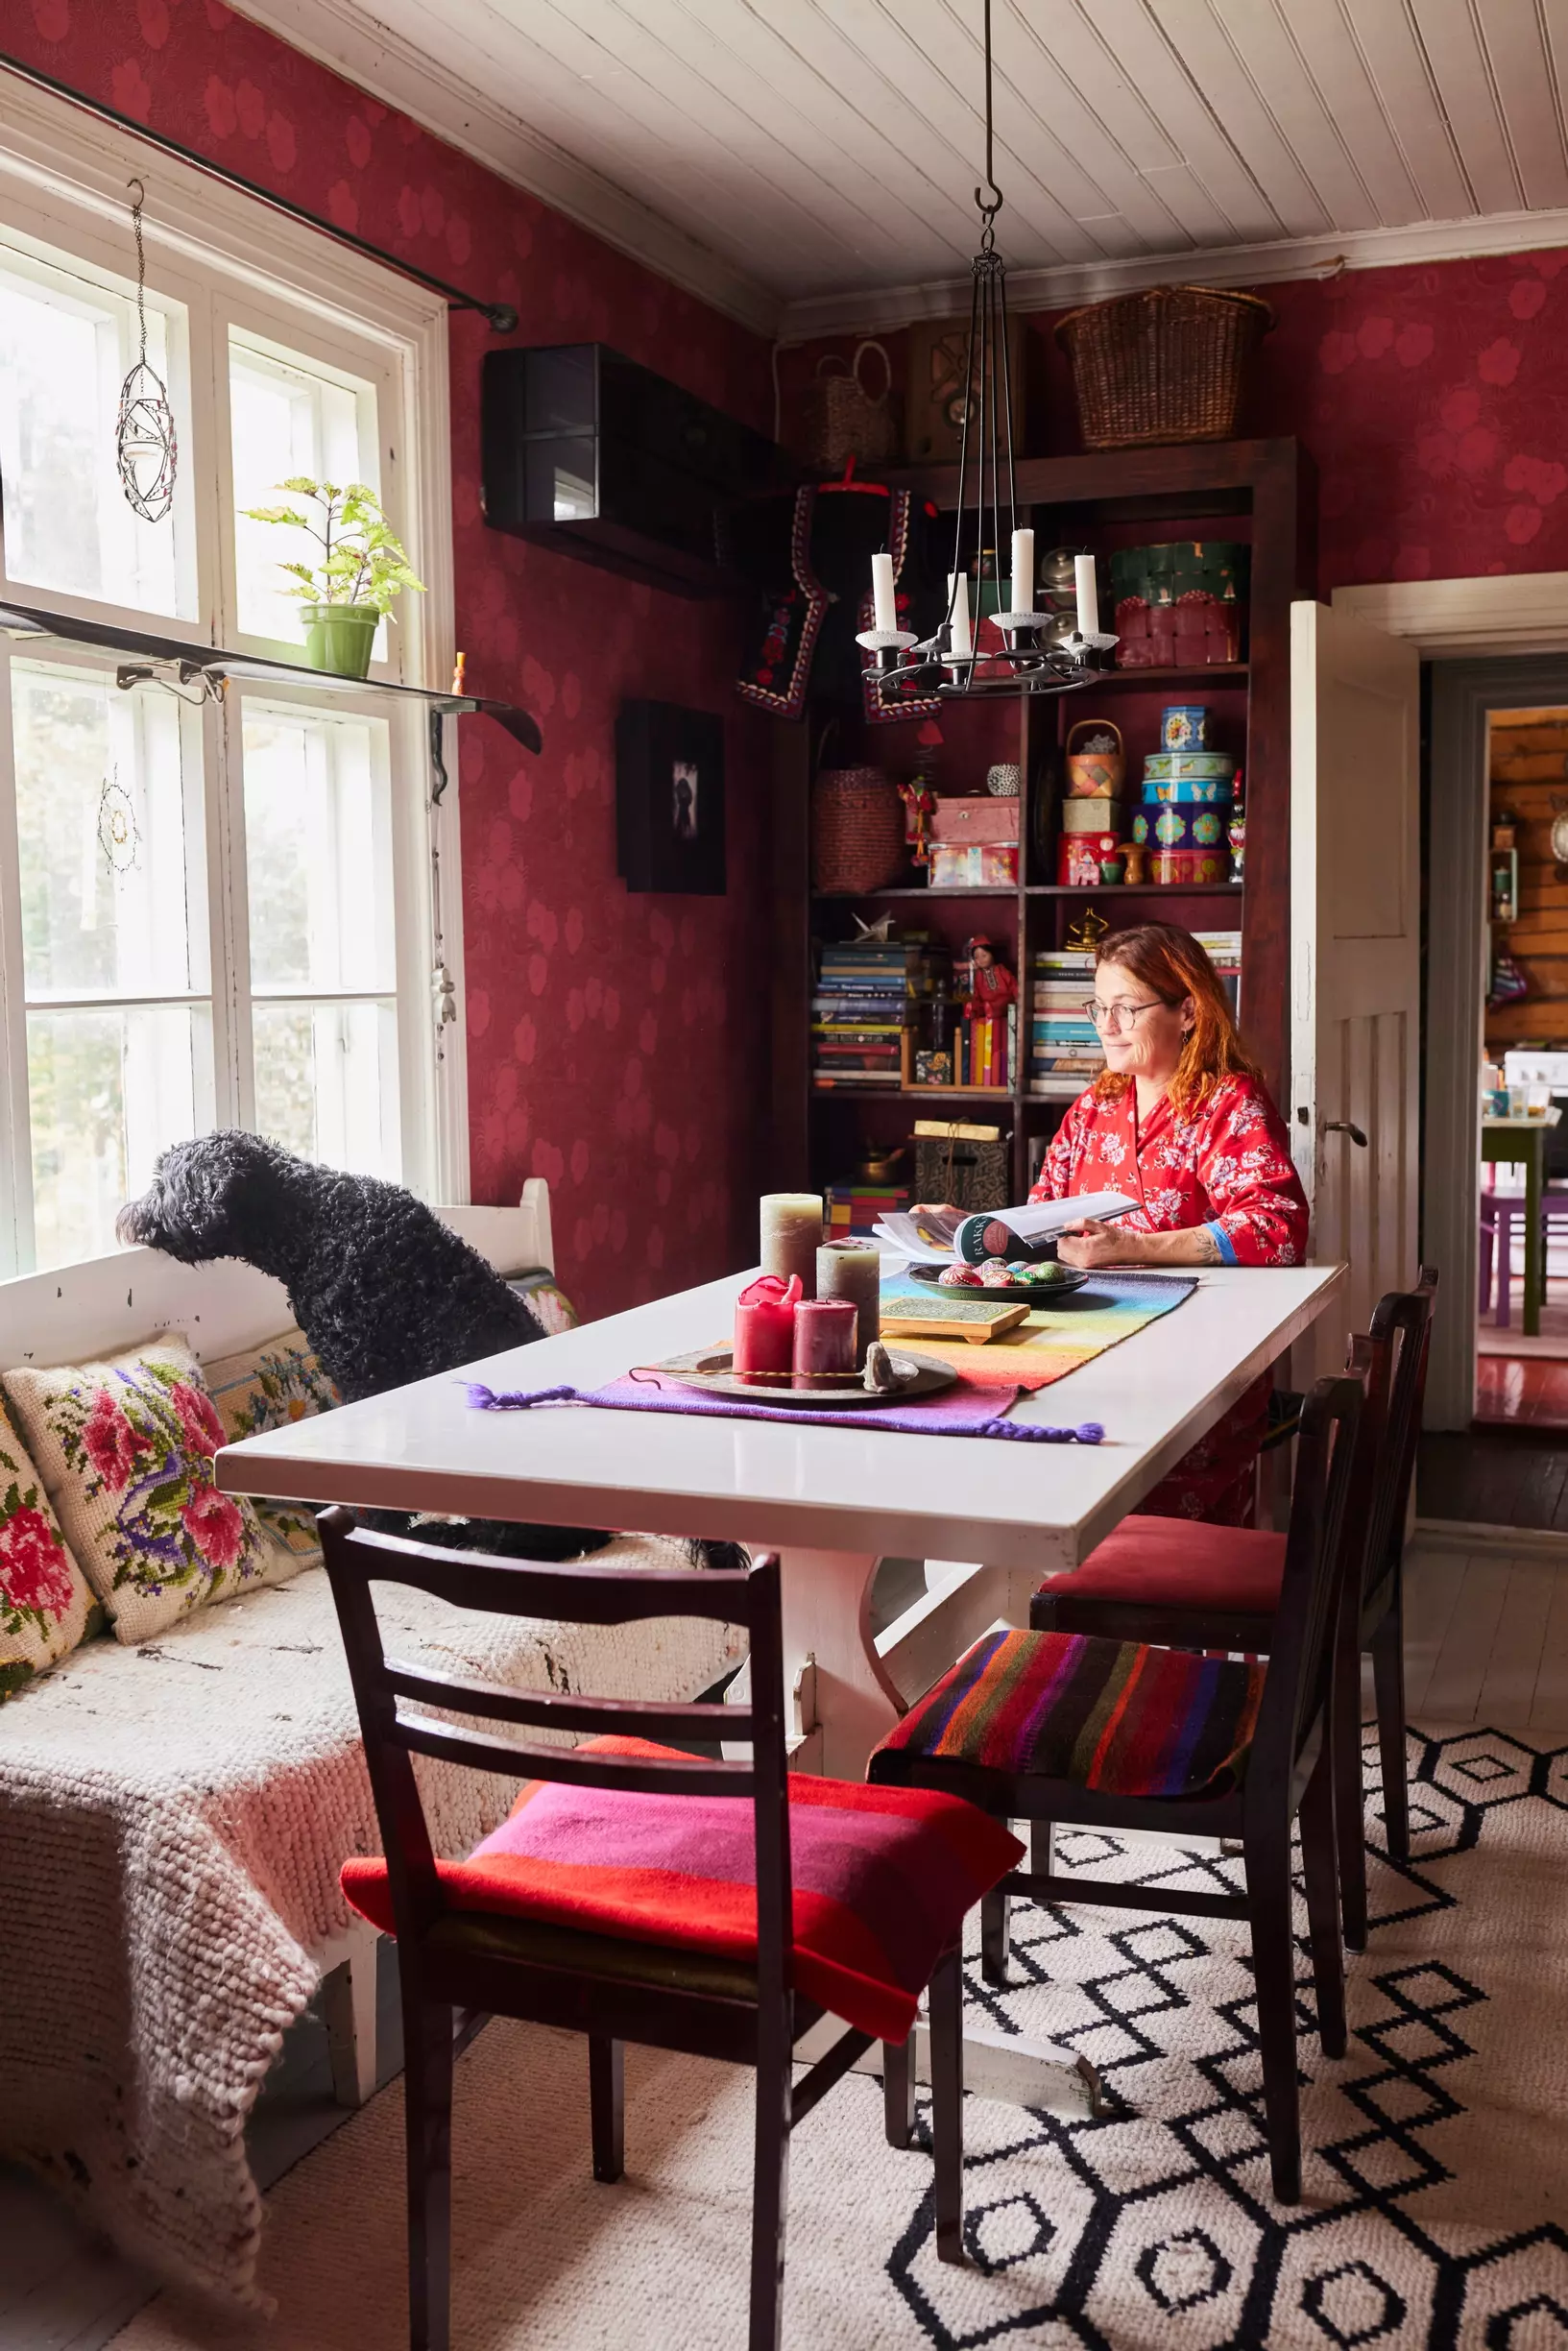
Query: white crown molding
x,y
1523,611
877,311
403,77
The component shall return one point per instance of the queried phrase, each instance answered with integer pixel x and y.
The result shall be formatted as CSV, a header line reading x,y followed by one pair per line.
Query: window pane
x,y
65,347
109,1090
326,1082
288,416
108,876
318,846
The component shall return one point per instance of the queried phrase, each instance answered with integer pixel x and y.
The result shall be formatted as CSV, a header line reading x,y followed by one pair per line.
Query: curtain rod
x,y
502,316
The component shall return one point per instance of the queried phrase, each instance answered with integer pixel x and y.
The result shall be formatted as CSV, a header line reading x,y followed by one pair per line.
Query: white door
x,y
1354,1104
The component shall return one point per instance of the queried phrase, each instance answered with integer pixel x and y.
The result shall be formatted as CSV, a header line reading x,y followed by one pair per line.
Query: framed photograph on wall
x,y
669,799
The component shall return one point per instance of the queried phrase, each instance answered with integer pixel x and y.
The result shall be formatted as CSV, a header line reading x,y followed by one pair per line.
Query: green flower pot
x,y
339,637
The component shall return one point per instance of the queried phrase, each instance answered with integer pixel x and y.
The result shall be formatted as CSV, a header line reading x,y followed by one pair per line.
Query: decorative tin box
x,y
1091,816
975,866
1165,827
1184,726
1189,767
1191,866
955,821
1079,857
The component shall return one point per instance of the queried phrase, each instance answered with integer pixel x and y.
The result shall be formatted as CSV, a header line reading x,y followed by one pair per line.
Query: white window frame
x,y
234,261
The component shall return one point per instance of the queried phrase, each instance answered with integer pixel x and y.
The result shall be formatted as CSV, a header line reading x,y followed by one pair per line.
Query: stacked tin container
x,y
1183,817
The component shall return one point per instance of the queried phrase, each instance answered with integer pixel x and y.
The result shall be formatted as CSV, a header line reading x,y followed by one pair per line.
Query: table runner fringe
x,y
485,1399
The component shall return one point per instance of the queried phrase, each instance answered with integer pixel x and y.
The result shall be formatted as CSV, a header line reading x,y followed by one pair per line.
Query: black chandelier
x,y
950,661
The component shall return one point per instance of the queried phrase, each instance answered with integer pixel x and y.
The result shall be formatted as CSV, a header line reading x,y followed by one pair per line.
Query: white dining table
x,y
989,1518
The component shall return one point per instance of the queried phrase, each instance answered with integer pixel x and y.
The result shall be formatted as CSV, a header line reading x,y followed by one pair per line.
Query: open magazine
x,y
951,1237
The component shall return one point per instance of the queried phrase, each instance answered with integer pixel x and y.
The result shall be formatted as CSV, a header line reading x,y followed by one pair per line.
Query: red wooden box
x,y
956,822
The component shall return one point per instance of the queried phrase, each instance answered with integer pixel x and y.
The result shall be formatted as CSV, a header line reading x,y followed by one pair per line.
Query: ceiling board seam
x,y
1433,85
1554,74
1329,116
1479,29
1055,66
1200,96
1277,127
1396,138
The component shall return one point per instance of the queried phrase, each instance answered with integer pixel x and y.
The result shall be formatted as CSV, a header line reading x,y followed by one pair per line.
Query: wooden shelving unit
x,y
1263,491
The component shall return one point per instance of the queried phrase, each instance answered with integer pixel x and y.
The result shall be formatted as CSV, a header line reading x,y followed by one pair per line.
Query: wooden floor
x,y
1495,1477
1487,1641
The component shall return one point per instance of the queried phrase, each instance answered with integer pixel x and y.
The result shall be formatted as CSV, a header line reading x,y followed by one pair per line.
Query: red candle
x,y
765,1329
825,1333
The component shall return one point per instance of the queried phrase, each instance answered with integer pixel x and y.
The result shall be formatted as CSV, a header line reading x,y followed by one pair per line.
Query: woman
x,y
1180,1121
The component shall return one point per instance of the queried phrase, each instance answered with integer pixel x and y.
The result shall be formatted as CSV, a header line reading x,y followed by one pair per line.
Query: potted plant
x,y
362,571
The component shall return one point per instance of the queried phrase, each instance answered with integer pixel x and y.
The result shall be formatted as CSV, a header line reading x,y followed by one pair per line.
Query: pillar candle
x,y
791,1236
854,1270
1083,579
963,643
883,593
824,1340
1024,571
764,1329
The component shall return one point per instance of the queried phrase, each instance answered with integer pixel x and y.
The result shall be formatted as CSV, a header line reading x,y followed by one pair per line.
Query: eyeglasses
x,y
1123,1014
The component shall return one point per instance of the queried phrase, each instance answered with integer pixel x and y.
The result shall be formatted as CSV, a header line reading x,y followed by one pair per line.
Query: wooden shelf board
x,y
989,1094
1186,673
917,890
1134,889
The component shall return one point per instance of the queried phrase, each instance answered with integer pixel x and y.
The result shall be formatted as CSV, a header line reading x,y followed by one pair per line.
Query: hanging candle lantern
x,y
146,448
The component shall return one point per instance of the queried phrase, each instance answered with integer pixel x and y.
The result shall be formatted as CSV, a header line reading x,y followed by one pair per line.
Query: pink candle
x,y
765,1329
825,1330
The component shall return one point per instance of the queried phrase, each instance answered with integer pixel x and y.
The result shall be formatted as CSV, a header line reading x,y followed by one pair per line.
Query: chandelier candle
x,y
764,1330
1083,579
825,1331
963,642
791,1236
882,592
1024,571
854,1270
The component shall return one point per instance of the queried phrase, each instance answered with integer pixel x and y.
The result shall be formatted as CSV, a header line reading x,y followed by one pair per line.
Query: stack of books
x,y
1224,949
857,1013
1064,1051
854,1208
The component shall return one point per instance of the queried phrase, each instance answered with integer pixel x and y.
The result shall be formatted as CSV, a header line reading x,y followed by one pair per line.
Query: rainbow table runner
x,y
1056,1339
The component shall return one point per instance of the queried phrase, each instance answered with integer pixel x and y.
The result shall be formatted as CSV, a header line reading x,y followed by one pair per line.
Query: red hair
x,y
1173,966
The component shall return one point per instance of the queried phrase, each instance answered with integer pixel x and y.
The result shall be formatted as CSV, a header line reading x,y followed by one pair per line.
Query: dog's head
x,y
216,1197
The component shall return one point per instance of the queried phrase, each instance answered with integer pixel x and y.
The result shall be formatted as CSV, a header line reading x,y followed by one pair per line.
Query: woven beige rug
x,y
1437,2182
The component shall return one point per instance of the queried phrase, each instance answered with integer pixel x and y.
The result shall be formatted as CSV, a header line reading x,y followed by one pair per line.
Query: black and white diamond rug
x,y
1435,2203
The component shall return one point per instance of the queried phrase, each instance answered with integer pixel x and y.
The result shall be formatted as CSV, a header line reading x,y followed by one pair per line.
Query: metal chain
x,y
141,265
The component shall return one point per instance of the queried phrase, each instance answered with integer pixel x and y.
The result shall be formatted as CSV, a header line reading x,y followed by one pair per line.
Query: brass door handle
x,y
1343,1126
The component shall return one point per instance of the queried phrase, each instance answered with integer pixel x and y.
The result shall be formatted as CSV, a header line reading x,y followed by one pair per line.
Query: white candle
x,y
881,589
791,1236
1083,577
1024,571
963,644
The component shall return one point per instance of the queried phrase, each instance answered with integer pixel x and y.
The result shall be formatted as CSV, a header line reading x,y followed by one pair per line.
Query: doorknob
x,y
1343,1126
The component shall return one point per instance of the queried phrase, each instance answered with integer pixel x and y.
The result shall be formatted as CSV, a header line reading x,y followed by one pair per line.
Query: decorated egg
x,y
959,1277
998,1276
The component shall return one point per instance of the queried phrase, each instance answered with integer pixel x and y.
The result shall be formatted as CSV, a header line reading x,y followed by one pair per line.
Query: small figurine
x,y
992,987
1236,831
1086,931
876,933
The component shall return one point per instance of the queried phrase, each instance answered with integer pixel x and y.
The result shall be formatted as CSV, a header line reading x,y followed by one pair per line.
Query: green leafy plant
x,y
362,562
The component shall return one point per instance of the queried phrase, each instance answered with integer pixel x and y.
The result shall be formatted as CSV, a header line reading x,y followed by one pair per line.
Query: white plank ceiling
x,y
800,158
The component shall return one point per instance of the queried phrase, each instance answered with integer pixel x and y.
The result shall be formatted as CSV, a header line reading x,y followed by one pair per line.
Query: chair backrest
x,y
571,1594
1404,1318
1323,1549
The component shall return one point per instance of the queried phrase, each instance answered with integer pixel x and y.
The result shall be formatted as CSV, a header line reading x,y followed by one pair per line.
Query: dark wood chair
x,y
1187,1586
1284,1772
457,1966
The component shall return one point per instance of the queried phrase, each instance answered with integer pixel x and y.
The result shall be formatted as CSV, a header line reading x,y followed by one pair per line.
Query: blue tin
x,y
1161,826
1184,726
1192,792
1178,766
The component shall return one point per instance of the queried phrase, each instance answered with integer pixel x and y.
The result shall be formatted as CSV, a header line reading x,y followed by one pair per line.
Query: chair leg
x,y
899,2091
427,2122
1317,1826
1273,1968
1348,1825
1389,1681
947,2012
607,2104
770,2182
995,1935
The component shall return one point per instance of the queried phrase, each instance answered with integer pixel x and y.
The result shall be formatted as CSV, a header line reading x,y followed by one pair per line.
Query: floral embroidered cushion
x,y
267,1387
45,1606
125,1450
540,1289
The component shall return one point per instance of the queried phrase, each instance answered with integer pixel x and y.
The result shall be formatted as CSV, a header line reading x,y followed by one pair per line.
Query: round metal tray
x,y
1064,1280
716,1378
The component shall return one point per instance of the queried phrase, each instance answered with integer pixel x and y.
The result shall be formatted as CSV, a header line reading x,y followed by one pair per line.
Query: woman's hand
x,y
1089,1244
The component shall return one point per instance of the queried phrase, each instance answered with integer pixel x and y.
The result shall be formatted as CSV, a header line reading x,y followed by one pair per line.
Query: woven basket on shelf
x,y
1162,365
840,420
856,831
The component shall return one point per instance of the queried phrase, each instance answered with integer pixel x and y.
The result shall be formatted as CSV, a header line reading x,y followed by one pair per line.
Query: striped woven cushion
x,y
1107,1714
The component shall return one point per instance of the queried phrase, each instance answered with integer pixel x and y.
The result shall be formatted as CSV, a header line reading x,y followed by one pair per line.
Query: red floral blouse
x,y
1225,1166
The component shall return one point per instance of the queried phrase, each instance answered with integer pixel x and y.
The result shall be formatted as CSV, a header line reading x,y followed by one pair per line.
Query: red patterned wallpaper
x,y
1430,398
616,1044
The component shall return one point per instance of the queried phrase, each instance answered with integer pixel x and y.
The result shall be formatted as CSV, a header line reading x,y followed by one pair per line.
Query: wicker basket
x,y
840,420
1163,365
856,831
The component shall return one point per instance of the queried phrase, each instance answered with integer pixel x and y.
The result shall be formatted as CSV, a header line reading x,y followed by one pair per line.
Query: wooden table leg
x,y
1534,1237
825,1601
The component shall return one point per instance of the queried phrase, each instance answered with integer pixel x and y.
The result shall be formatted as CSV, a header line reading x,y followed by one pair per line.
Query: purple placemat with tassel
x,y
957,1411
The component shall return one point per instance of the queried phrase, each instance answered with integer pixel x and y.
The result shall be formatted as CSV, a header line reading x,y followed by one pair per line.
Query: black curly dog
x,y
382,1289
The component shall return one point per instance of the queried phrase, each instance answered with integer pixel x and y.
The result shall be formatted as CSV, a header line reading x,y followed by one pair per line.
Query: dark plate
x,y
1062,1281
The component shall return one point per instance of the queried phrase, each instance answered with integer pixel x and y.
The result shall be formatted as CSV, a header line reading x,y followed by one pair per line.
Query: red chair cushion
x,y
882,1878
1181,1562
1106,1714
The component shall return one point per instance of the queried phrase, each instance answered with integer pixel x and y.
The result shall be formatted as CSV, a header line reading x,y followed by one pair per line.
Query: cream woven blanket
x,y
172,1820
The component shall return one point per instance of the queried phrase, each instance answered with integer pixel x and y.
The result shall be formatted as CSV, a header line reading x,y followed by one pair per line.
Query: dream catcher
x,y
119,836
146,450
